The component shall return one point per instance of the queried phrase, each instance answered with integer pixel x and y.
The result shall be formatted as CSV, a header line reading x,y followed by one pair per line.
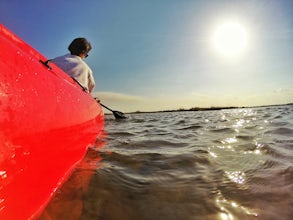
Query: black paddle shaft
x,y
117,114
106,107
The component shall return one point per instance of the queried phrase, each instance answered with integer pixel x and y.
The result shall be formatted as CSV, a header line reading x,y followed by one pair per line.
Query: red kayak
x,y
47,123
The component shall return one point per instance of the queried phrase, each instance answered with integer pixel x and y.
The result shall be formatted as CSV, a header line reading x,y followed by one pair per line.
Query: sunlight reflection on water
x,y
231,210
226,165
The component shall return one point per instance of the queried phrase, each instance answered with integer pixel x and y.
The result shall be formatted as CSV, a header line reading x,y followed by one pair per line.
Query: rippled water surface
x,y
224,164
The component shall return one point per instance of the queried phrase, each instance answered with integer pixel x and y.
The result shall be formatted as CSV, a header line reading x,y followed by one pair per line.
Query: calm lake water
x,y
225,164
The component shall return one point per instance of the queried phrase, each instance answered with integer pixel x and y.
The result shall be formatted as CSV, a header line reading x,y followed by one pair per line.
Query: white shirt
x,y
75,67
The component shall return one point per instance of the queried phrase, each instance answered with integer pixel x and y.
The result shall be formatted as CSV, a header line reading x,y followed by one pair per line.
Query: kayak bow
x,y
46,125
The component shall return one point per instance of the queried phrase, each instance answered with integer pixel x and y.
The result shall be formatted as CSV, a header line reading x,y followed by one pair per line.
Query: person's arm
x,y
91,83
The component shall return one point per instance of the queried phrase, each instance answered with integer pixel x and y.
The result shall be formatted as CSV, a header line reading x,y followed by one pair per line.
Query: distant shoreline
x,y
206,109
202,109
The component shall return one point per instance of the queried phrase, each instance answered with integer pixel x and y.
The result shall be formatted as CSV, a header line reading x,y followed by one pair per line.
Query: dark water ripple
x,y
226,165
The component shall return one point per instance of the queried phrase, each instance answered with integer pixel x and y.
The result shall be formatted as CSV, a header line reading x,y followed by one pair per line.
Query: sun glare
x,y
230,39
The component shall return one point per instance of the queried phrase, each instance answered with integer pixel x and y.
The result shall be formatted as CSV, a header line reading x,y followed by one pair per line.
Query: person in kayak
x,y
73,64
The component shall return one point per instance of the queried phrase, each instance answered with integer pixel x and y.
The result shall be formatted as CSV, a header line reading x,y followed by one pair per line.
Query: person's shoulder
x,y
61,57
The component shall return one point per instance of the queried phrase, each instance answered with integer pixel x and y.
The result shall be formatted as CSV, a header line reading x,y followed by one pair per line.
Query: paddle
x,y
117,114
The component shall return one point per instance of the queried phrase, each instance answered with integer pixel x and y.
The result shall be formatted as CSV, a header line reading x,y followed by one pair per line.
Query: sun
x,y
230,39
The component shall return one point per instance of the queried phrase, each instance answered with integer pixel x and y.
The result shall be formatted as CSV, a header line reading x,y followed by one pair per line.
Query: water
x,y
224,164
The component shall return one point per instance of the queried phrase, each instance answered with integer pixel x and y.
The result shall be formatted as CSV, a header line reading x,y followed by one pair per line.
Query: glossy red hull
x,y
46,125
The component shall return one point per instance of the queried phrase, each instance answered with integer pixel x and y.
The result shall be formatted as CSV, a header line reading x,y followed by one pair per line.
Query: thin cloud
x,y
112,96
131,103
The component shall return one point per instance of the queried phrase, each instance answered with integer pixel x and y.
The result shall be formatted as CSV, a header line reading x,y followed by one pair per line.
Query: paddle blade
x,y
119,115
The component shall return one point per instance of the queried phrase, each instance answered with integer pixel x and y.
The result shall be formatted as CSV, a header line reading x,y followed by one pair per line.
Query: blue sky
x,y
158,54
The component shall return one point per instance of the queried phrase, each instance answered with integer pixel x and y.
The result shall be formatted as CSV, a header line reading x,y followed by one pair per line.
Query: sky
x,y
151,55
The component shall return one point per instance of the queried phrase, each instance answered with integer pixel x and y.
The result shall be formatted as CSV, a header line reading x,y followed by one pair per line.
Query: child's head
x,y
79,46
